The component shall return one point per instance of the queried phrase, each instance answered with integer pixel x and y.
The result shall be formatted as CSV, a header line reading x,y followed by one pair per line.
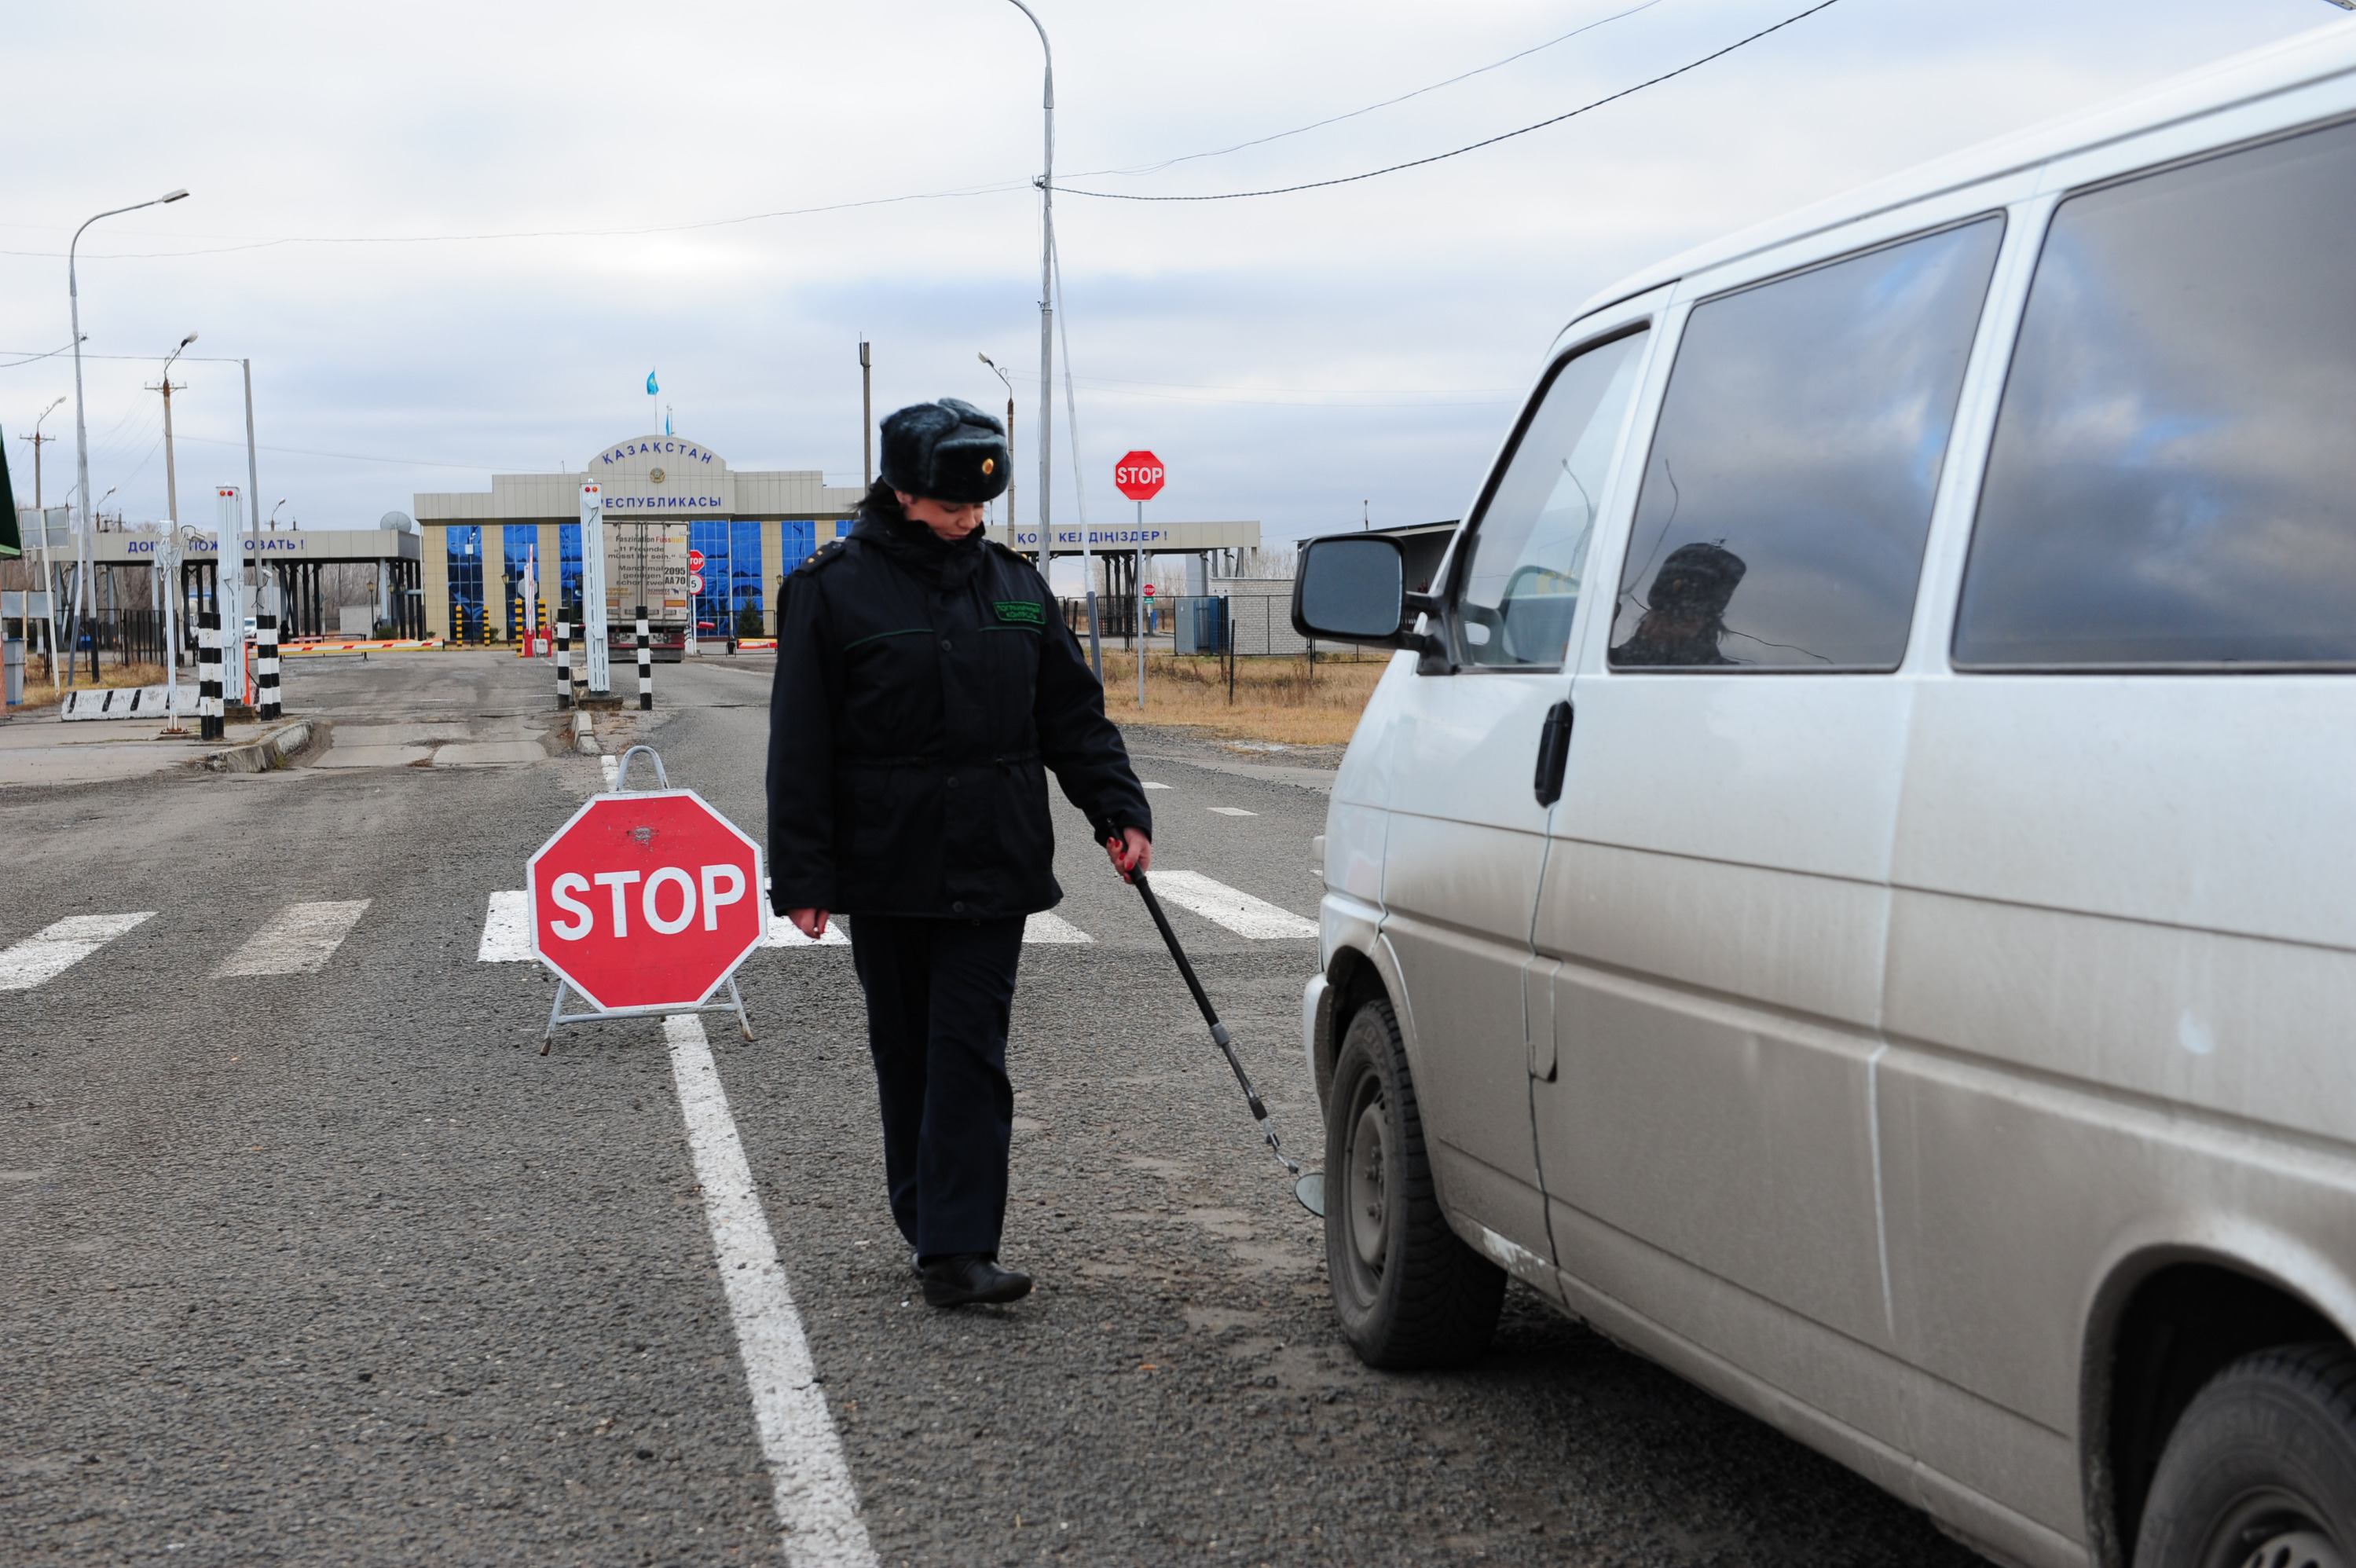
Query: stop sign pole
x,y
1140,475
644,904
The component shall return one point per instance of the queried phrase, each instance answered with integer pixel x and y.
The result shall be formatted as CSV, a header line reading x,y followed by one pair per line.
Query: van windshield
x,y
1521,586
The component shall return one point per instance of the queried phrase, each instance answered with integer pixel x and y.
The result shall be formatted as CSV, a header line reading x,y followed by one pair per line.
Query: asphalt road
x,y
335,1267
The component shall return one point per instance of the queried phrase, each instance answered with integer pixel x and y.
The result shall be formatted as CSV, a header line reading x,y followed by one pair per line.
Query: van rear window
x,y
2172,483
1789,490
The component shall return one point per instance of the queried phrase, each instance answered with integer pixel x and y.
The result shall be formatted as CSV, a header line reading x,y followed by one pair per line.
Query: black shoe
x,y
969,1277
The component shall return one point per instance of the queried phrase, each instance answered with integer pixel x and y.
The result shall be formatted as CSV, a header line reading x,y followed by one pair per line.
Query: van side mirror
x,y
1353,588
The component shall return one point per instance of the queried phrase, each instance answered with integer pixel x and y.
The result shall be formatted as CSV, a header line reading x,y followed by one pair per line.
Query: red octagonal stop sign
x,y
1139,476
645,900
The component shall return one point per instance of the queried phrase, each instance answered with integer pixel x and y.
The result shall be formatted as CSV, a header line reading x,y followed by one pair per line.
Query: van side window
x,y
1516,597
2172,482
1789,490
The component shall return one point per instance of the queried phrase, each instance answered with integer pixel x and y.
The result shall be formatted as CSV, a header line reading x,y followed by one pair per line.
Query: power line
x,y
1000,188
1474,146
1386,103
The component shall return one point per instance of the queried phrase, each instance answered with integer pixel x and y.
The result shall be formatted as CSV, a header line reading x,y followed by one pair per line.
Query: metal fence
x,y
1247,625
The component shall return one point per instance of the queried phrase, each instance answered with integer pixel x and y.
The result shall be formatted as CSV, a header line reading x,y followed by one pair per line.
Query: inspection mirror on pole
x,y
229,590
593,587
645,903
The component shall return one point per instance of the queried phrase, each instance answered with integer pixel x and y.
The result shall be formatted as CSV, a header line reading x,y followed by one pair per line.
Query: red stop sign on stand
x,y
1139,476
645,900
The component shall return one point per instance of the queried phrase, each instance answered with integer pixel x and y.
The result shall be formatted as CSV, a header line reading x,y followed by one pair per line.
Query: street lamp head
x,y
173,196
188,339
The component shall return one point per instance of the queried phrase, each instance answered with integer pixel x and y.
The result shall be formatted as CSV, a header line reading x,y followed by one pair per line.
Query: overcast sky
x,y
1299,358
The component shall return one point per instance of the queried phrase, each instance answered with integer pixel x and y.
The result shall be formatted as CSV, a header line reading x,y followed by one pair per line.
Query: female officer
x,y
924,681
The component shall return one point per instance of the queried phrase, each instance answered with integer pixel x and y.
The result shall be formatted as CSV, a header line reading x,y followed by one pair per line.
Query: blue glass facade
x,y
712,538
466,554
519,542
744,574
568,549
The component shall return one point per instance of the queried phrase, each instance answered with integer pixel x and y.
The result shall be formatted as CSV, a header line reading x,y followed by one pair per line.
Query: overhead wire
x,y
1369,109
1469,146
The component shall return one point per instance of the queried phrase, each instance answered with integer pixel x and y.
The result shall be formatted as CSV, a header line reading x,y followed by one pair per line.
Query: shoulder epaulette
x,y
826,555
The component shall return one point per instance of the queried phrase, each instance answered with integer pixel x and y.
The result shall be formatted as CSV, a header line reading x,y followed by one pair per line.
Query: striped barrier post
x,y
209,675
645,665
563,657
265,666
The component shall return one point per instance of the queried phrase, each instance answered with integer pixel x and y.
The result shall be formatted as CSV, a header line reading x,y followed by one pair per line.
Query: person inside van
x,y
1686,612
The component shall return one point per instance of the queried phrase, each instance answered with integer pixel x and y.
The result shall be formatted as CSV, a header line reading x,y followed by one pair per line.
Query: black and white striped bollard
x,y
265,666
645,665
563,657
209,675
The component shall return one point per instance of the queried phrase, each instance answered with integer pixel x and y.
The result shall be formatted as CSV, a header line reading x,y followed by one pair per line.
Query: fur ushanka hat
x,y
945,451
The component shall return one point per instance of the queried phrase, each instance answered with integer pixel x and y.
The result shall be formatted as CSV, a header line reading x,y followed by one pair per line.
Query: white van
x,y
1892,959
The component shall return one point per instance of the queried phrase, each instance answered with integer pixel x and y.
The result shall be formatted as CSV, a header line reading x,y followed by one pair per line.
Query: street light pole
x,y
1047,333
82,425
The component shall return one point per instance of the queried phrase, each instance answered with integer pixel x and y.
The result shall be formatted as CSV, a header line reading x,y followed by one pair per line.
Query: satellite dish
x,y
397,523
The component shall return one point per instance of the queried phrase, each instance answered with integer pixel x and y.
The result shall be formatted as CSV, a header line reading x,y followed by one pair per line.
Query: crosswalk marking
x,y
59,946
507,928
784,933
1238,912
299,940
1043,927
1233,811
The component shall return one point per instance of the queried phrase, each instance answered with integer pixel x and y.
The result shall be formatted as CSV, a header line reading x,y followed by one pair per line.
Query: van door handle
x,y
1554,754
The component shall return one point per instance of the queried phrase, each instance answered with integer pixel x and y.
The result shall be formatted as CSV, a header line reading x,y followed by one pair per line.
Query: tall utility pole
x,y
1010,462
252,492
41,521
866,418
82,425
38,441
1047,324
171,473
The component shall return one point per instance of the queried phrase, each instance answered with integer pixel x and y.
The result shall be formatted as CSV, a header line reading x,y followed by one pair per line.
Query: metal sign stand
x,y
596,1015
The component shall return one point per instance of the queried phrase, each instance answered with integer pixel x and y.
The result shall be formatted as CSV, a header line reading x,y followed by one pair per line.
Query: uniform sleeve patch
x,y
1022,612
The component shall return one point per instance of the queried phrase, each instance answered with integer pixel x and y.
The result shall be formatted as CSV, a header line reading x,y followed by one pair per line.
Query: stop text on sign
x,y
648,899
723,886
1140,475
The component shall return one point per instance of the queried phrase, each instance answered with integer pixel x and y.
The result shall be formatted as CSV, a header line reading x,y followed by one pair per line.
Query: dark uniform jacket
x,y
921,689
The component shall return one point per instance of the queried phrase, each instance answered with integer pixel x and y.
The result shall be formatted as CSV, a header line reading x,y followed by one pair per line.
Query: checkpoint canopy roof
x,y
299,546
1153,538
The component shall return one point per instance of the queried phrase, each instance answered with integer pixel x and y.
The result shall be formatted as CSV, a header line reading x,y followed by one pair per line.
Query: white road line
x,y
57,947
817,1502
782,933
507,928
1043,927
1239,912
299,941
1231,811
611,767
1150,785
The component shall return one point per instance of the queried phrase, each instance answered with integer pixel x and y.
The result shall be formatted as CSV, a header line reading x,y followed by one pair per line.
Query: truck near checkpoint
x,y
645,564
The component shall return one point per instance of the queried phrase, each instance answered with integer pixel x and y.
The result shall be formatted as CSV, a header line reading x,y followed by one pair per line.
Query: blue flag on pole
x,y
651,388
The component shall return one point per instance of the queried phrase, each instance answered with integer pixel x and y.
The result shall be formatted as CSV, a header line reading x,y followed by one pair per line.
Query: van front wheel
x,y
1408,1290
2261,1469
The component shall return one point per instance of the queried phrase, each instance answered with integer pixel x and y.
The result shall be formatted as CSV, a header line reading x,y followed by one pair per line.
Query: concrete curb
x,y
278,748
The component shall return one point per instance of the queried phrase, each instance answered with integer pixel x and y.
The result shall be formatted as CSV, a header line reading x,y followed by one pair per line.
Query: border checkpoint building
x,y
751,527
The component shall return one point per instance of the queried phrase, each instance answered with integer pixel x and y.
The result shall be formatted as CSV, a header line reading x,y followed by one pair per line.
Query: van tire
x,y
1408,1290
2262,1465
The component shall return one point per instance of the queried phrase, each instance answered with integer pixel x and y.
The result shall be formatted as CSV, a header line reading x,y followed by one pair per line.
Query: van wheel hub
x,y
1368,1210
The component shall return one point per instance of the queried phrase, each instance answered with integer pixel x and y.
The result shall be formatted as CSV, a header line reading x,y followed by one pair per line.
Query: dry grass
x,y
1275,699
39,694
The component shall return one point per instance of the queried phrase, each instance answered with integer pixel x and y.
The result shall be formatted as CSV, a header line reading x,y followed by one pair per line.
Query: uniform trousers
x,y
938,997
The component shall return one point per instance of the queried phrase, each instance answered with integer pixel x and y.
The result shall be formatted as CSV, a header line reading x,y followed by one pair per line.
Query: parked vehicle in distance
x,y
1894,960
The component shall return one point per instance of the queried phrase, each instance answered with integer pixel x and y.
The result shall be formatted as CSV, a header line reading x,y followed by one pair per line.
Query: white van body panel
x,y
1880,1032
